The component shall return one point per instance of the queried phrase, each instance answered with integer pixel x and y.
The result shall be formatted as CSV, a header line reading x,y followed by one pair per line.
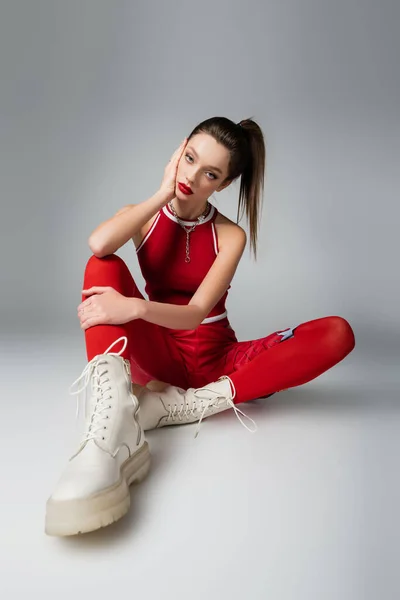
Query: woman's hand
x,y
105,306
168,183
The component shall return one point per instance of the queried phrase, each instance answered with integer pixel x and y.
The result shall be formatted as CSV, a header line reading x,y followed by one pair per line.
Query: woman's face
x,y
203,167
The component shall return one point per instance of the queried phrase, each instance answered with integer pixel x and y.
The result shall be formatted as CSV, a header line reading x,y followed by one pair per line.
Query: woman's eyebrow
x,y
209,166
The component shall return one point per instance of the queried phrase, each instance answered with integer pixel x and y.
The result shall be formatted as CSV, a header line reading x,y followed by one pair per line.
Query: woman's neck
x,y
188,211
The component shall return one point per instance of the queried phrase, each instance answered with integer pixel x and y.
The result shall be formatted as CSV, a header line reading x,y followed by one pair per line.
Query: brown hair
x,y
245,142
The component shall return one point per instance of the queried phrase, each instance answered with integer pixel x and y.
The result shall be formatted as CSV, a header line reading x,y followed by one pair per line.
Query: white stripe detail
x,y
216,318
287,333
148,234
215,238
189,223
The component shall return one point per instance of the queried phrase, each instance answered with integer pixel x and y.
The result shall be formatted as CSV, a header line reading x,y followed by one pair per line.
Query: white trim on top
x,y
189,223
148,234
215,238
216,318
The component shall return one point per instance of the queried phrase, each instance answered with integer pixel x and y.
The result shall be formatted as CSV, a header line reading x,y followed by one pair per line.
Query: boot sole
x,y
71,517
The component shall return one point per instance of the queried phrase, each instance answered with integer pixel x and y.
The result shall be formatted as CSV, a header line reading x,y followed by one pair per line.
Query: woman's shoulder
x,y
226,228
225,223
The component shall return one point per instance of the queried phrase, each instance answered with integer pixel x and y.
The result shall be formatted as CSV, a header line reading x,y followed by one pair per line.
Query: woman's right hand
x,y
168,183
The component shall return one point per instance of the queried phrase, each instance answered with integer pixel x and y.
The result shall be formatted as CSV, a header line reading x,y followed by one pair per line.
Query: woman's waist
x,y
216,332
217,313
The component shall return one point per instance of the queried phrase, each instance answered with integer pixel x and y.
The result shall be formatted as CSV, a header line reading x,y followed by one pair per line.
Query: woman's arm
x,y
232,242
174,316
109,236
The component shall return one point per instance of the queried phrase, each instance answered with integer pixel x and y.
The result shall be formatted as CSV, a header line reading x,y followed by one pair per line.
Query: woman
x,y
180,360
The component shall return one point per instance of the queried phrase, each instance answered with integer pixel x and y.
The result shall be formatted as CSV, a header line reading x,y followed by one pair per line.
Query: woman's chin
x,y
181,196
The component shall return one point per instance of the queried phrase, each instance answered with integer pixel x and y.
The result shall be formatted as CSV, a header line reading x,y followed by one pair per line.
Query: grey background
x,y
95,97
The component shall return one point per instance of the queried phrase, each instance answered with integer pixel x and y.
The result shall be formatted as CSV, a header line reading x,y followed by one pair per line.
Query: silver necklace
x,y
200,219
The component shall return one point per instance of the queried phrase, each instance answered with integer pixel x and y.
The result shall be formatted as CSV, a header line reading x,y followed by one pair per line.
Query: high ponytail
x,y
252,180
245,142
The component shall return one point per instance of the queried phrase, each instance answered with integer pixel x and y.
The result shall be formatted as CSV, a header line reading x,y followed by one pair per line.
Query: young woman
x,y
180,359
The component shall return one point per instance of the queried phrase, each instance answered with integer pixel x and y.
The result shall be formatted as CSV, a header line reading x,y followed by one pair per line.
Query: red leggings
x,y
195,357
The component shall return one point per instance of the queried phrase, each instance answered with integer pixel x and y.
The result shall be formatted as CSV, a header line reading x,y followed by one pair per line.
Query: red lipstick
x,y
184,188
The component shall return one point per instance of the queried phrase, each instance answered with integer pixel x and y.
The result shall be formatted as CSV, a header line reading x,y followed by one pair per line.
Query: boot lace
x,y
185,412
207,405
94,373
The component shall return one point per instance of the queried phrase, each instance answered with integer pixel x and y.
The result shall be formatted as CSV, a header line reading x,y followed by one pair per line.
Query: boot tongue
x,y
212,390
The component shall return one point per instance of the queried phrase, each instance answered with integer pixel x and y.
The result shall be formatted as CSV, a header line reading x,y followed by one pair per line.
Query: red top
x,y
162,254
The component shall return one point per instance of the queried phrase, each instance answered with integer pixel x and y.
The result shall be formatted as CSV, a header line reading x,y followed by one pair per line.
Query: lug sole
x,y
72,517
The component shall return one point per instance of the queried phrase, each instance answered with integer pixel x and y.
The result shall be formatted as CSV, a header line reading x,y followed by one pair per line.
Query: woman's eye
x,y
212,174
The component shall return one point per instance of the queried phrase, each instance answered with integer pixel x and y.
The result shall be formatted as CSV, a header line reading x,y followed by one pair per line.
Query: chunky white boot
x,y
176,406
93,490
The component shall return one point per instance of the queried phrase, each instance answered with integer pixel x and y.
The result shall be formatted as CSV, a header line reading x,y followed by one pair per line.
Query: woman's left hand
x,y
105,306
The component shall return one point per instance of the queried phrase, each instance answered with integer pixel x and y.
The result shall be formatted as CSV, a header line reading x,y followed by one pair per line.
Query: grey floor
x,y
306,508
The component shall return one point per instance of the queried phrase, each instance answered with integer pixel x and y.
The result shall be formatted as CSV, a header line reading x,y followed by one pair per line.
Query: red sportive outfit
x,y
192,358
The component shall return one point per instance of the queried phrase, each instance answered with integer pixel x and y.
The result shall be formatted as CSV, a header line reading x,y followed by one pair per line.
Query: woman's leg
x,y
281,360
150,350
108,271
113,451
248,370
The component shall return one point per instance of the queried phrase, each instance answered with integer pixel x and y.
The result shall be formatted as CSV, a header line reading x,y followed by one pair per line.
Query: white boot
x,y
176,406
93,490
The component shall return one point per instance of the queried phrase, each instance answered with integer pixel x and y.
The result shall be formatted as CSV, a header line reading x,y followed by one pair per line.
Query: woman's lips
x,y
184,189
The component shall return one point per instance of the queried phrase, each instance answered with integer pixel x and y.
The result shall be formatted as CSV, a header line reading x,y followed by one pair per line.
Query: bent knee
x,y
96,265
343,331
112,258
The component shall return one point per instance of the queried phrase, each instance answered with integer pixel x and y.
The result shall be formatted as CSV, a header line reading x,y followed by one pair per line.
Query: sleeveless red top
x,y
161,256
